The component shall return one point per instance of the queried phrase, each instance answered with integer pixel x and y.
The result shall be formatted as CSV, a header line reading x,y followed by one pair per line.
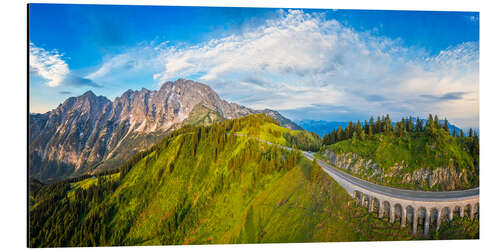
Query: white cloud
x,y
143,61
51,67
48,64
302,61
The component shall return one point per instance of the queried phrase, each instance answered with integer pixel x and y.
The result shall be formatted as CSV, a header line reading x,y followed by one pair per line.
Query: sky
x,y
309,64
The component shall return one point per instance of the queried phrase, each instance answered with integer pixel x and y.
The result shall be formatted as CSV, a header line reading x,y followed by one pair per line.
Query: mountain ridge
x,y
90,132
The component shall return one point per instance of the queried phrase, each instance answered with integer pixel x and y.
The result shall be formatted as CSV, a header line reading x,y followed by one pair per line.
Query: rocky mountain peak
x,y
88,94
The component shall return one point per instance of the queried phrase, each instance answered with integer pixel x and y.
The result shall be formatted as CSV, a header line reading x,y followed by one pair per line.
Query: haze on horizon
x,y
333,65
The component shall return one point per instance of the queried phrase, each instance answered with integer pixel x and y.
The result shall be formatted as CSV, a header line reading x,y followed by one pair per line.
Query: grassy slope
x,y
170,197
263,127
416,152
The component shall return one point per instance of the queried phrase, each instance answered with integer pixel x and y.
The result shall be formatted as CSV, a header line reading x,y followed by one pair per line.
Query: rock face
x,y
443,178
89,132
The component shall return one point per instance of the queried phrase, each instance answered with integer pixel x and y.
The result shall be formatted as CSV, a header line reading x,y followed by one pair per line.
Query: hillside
x,y
266,128
204,185
424,160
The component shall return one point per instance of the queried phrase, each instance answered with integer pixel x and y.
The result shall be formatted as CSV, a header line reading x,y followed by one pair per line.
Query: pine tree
x,y
410,125
436,122
362,135
371,127
378,125
388,124
348,130
370,131
446,128
340,134
419,125
429,125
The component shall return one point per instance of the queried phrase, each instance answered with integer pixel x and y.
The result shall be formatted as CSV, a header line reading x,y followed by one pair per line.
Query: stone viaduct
x,y
420,209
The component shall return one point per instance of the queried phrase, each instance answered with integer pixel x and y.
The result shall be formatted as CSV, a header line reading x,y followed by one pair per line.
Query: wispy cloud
x,y
51,66
300,61
48,64
446,97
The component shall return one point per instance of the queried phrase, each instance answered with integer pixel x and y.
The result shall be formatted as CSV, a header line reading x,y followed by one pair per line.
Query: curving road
x,y
396,192
393,192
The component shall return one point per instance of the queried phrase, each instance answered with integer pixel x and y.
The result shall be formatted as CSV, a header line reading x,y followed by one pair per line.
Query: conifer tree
x,y
362,135
370,131
378,125
388,124
348,130
411,127
340,134
419,125
429,125
358,127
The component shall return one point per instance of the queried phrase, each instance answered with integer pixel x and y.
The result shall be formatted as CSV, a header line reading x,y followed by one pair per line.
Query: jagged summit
x,y
88,93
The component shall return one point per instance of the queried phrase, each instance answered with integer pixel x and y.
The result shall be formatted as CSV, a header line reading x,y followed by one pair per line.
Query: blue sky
x,y
308,64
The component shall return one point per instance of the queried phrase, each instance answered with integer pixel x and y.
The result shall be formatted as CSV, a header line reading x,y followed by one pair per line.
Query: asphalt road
x,y
396,192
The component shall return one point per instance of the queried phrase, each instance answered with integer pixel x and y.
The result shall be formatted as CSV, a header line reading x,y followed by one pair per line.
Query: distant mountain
x,y
324,127
89,133
321,127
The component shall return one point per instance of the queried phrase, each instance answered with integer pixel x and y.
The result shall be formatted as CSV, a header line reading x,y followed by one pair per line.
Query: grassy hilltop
x,y
420,158
203,185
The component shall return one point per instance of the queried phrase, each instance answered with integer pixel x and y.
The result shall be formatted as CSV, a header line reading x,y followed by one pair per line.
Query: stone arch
x,y
434,216
468,210
357,196
386,208
365,200
476,210
380,209
410,213
445,214
421,215
398,212
457,211
376,205
410,217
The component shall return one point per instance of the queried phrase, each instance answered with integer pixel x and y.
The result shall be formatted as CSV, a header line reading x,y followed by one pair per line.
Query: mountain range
x,y
90,133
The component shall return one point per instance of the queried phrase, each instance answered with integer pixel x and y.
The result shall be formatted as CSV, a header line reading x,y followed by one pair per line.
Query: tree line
x,y
401,129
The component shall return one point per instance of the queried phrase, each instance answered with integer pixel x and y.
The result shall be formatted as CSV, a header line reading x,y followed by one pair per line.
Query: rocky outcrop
x,y
444,178
89,132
